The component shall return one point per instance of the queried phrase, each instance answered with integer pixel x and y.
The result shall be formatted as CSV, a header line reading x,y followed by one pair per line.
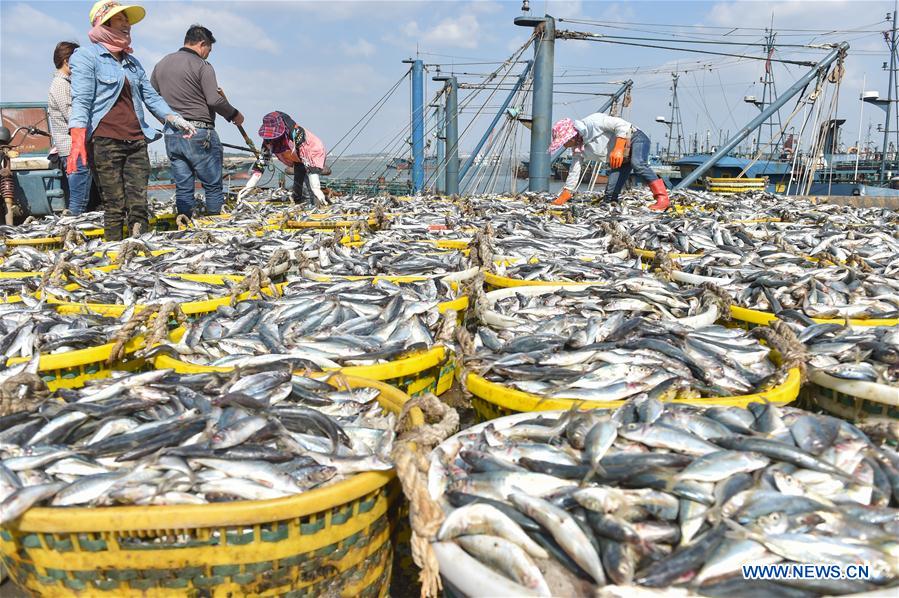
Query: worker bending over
x,y
298,148
598,136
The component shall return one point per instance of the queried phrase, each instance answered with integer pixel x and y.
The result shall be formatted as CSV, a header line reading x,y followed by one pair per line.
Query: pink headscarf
x,y
113,40
563,132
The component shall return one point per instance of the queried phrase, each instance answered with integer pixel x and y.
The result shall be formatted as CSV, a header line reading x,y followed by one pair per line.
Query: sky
x,y
327,63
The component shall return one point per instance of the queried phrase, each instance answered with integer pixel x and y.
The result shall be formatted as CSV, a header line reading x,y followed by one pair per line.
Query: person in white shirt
x,y
600,137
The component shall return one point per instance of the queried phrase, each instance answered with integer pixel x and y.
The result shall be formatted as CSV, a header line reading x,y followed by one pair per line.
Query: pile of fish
x,y
319,326
164,439
664,496
869,353
131,287
625,357
391,258
53,226
772,280
634,292
605,343
25,331
557,269
28,259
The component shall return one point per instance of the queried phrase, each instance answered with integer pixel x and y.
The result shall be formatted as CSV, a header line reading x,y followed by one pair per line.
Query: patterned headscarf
x,y
563,132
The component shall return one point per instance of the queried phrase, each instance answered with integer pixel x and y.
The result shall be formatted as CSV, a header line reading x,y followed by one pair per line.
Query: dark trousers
x,y
299,184
638,163
123,172
199,157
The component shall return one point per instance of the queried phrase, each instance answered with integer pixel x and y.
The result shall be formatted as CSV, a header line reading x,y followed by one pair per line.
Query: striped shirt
x,y
59,104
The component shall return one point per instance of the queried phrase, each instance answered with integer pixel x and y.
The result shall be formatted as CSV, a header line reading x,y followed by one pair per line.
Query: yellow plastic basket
x,y
331,541
330,224
750,318
163,222
48,243
650,254
73,369
491,400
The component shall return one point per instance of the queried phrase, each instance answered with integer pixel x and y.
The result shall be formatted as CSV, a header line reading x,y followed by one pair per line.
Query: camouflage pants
x,y
123,171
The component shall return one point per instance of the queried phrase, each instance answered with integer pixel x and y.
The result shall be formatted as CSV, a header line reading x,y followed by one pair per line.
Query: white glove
x,y
177,121
254,178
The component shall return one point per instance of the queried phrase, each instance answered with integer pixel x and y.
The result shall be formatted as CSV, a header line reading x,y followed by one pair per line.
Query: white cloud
x,y
343,10
166,22
359,48
559,8
485,7
458,32
19,18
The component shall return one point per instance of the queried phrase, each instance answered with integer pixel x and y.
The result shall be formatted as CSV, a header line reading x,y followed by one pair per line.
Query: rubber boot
x,y
660,194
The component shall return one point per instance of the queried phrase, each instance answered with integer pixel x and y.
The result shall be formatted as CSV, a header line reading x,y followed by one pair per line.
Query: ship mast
x,y
891,41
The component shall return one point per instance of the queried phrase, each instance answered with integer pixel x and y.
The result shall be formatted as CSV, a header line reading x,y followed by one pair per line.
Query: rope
x,y
717,295
278,262
482,250
183,221
255,280
128,251
781,337
663,264
620,239
71,237
410,457
155,319
22,392
56,273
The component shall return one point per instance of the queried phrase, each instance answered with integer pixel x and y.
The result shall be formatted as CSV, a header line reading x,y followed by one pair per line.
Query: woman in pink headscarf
x,y
109,89
602,137
296,147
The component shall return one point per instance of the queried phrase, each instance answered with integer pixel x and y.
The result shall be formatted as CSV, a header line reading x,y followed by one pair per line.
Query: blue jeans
x,y
639,164
79,186
201,157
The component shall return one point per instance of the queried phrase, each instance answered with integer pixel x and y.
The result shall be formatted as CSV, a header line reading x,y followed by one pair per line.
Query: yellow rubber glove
x,y
616,158
563,198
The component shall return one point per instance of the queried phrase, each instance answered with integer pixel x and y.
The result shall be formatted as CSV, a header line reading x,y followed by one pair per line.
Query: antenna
x,y
675,123
769,94
891,42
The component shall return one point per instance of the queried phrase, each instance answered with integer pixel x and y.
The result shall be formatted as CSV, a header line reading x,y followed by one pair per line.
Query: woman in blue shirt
x,y
109,88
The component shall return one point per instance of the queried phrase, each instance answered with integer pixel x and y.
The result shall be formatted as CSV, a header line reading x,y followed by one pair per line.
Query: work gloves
x,y
79,149
177,121
563,198
616,158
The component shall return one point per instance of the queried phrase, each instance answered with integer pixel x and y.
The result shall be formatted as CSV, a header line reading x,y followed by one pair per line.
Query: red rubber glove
x,y
616,158
79,150
563,198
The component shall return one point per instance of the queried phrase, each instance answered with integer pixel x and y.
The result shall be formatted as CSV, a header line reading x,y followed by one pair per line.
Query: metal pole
x,y
441,150
542,103
604,108
758,120
452,134
521,79
889,106
418,125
